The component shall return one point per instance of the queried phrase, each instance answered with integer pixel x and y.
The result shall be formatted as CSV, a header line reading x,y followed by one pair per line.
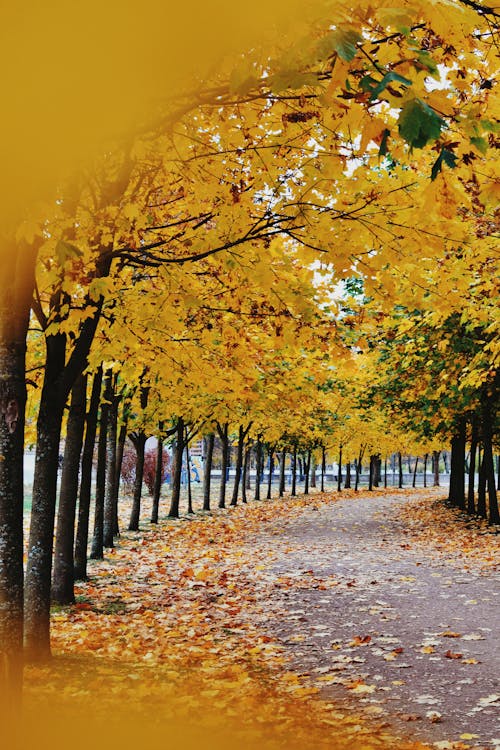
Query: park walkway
x,y
377,621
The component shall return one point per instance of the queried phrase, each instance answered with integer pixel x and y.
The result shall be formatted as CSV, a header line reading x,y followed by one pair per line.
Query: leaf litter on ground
x,y
170,623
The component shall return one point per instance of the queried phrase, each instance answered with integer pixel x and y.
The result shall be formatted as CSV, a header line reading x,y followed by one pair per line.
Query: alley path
x,y
375,621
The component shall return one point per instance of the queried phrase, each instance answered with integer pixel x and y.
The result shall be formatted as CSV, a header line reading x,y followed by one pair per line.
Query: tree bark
x,y
456,494
97,548
339,475
347,483
239,464
489,467
207,470
188,473
223,434
82,531
294,471
158,478
481,488
323,467
258,467
246,474
63,577
110,495
177,469
314,467
471,500
40,545
59,377
120,447
400,470
139,441
270,475
282,473
307,468
17,264
414,482
435,464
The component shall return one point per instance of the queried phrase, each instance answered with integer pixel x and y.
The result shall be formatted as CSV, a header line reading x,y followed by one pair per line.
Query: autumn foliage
x,y
279,243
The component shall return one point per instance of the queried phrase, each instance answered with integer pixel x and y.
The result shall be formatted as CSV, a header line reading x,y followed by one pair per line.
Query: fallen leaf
x,y
451,655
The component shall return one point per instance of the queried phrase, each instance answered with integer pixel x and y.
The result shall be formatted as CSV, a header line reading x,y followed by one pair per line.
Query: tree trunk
x,y
371,472
188,473
63,577
377,473
223,431
109,519
385,472
400,470
177,469
258,467
207,471
270,475
347,483
339,475
39,567
471,501
489,467
246,473
82,531
239,465
414,482
314,466
158,478
323,467
139,441
120,447
97,549
426,458
481,488
248,478
16,291
457,468
281,491
435,464
59,377
307,468
294,471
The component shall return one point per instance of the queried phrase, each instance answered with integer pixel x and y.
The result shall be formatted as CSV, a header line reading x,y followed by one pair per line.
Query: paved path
x,y
375,622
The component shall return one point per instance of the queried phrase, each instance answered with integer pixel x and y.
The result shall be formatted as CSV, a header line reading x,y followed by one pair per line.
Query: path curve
x,y
376,622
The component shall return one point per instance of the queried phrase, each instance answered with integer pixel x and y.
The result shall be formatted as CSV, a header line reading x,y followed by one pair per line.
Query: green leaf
x,y
428,62
66,251
367,83
480,143
383,143
490,126
418,123
388,78
342,41
448,157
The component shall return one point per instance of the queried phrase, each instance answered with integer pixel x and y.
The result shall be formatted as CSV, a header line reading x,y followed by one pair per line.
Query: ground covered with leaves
x,y
291,622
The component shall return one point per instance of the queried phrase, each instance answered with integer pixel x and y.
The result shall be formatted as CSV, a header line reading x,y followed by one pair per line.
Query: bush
x,y
150,468
128,468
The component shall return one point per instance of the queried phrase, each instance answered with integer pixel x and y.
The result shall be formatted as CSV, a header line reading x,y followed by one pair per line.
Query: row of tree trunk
x,y
462,495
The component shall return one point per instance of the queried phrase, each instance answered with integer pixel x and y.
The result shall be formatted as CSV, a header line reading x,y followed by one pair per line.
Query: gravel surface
x,y
376,623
